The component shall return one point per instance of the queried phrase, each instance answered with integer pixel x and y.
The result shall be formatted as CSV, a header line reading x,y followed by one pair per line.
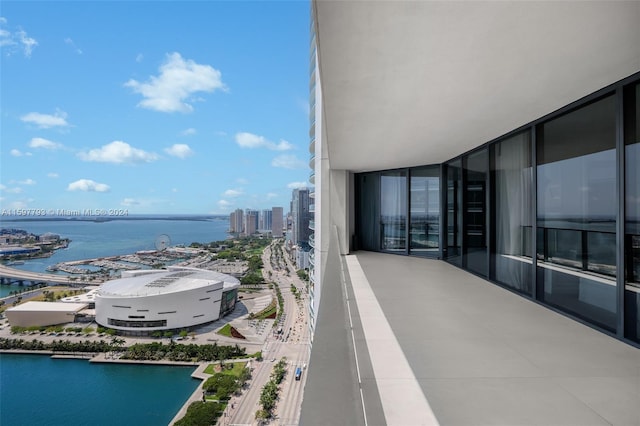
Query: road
x,y
19,274
293,344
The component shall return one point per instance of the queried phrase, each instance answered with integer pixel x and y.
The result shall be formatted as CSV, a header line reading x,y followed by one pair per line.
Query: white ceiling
x,y
419,82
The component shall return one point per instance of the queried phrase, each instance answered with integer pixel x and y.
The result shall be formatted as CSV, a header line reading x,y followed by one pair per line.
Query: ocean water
x,y
97,239
39,390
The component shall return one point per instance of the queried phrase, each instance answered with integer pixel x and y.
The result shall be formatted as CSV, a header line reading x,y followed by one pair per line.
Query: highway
x,y
293,344
19,274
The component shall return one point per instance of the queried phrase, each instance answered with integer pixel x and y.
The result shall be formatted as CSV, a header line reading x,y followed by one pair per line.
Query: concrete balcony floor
x,y
437,345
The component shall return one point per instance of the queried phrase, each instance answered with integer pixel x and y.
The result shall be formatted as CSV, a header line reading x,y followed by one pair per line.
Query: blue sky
x,y
153,107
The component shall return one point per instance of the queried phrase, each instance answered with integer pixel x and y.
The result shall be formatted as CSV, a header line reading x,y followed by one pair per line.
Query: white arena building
x,y
178,298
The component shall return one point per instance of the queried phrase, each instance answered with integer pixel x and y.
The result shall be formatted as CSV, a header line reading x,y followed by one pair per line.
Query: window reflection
x,y
576,245
424,229
632,213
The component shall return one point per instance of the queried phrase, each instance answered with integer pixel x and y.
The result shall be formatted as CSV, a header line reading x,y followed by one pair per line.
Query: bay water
x,y
38,390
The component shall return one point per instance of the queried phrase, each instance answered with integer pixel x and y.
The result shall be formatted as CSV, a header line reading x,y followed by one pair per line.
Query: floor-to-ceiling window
x,y
475,173
393,211
512,217
576,217
632,208
424,229
453,242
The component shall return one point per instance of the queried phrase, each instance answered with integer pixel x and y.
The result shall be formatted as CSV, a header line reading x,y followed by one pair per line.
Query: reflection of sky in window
x,y
425,196
578,188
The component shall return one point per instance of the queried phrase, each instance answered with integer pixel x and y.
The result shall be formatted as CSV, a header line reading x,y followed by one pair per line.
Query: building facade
x,y
236,222
142,302
277,222
300,216
505,140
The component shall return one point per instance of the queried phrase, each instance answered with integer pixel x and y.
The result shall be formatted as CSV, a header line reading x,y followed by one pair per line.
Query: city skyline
x,y
153,110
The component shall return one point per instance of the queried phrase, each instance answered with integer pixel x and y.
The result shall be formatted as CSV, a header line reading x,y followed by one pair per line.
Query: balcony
x,y
312,208
312,179
312,162
312,145
312,225
312,243
482,354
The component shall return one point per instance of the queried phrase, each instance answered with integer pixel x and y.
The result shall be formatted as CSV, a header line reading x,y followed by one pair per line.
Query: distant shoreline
x,y
201,218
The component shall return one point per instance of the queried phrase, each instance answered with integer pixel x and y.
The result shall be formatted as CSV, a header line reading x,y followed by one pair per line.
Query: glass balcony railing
x,y
312,162
312,225
312,243
312,179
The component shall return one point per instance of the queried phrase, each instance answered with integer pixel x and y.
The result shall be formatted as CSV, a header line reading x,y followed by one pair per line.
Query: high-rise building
x,y
264,223
276,222
251,222
300,216
493,147
236,222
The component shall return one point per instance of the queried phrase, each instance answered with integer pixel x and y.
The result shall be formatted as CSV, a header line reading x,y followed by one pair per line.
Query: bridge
x,y
10,275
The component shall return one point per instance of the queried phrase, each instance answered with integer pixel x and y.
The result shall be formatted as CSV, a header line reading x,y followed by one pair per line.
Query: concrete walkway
x,y
476,354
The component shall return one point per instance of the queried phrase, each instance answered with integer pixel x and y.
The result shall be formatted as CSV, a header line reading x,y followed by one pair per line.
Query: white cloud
x,y
87,185
179,150
288,162
15,190
71,43
53,175
16,152
118,152
271,195
178,81
44,143
233,193
17,40
249,140
295,185
128,202
27,182
139,57
45,121
189,132
174,189
242,181
224,205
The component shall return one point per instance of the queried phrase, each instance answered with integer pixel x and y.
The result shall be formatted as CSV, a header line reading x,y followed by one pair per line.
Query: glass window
x,y
393,211
511,219
453,242
424,232
632,215
576,218
475,212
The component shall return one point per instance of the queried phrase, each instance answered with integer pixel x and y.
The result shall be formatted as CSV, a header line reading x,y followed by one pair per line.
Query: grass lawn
x,y
235,371
225,331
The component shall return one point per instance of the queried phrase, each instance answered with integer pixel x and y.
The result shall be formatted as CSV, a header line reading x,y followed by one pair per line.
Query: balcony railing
x,y
312,225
